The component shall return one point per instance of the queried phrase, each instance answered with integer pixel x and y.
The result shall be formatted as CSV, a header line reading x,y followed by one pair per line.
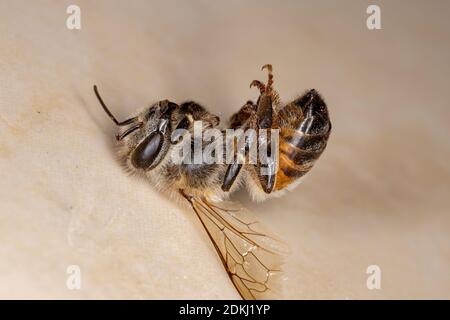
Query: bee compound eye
x,y
147,151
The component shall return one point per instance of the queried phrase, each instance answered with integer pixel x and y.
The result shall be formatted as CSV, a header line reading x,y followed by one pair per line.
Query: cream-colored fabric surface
x,y
379,194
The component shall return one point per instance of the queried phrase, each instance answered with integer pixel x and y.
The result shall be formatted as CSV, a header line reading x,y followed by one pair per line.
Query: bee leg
x,y
183,126
231,175
269,77
238,119
234,168
267,174
259,85
266,170
267,89
262,118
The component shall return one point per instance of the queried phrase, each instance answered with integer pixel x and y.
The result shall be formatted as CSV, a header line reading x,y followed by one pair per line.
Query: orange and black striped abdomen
x,y
304,140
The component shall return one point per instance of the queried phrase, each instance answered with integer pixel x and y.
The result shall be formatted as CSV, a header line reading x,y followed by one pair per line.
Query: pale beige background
x,y
379,195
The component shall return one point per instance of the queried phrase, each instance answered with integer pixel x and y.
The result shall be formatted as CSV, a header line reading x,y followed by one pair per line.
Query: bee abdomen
x,y
303,137
297,154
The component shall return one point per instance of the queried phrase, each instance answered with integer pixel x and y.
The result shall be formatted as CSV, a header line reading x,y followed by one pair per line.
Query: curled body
x,y
151,140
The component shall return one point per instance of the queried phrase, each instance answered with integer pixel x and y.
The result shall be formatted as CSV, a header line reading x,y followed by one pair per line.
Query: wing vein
x,y
242,261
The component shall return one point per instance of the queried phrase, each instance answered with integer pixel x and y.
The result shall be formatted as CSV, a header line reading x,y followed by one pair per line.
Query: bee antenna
x,y
104,106
123,123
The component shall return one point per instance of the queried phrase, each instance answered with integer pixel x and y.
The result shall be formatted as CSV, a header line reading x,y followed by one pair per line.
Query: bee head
x,y
145,139
151,143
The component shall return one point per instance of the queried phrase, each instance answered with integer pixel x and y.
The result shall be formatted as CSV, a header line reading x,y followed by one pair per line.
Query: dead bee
x,y
251,255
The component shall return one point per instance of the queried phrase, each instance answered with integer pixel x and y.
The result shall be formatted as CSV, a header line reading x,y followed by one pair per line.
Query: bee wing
x,y
251,255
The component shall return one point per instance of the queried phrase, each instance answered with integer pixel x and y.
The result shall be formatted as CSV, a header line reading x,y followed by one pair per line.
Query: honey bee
x,y
251,255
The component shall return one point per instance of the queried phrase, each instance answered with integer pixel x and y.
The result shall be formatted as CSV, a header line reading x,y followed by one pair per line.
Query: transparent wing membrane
x,y
251,255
